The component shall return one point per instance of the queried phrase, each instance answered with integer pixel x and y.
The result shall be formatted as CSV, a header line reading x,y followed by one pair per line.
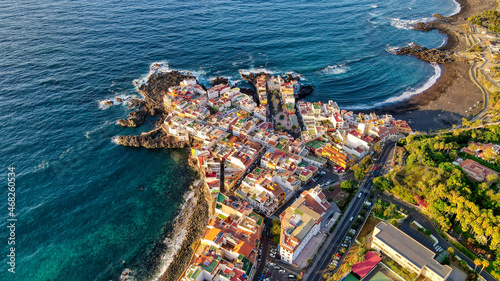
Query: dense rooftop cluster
x,y
238,152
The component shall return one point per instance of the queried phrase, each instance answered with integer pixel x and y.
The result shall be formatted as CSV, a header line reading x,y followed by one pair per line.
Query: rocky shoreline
x,y
196,225
156,138
430,55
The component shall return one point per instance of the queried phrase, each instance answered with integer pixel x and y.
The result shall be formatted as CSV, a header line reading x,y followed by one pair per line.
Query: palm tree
x,y
485,264
477,262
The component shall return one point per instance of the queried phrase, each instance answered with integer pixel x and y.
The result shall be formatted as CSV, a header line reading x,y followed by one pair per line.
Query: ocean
x,y
87,208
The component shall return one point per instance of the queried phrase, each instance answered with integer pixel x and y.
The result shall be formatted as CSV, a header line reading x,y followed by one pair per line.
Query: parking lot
x,y
275,269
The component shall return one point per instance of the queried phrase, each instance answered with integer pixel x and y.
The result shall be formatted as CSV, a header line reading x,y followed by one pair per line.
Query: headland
x,y
265,143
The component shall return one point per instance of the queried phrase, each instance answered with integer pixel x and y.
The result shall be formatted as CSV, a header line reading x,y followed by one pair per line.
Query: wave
x,y
115,140
373,6
392,50
335,69
408,24
87,134
457,9
116,100
179,232
445,41
258,70
154,68
408,93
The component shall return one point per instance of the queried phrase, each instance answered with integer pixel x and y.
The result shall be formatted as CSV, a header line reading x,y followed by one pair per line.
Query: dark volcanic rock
x,y
434,55
252,77
157,86
305,91
135,102
156,138
135,118
424,26
219,80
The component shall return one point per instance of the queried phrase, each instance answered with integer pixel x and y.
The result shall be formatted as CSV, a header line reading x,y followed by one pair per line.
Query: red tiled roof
x,y
363,268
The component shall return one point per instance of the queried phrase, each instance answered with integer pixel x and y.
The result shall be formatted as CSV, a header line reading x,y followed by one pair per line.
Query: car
x,y
351,218
291,276
272,256
310,181
359,195
276,267
338,256
272,264
282,271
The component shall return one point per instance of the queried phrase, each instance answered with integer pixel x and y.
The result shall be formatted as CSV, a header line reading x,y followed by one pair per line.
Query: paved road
x,y
268,221
426,223
333,242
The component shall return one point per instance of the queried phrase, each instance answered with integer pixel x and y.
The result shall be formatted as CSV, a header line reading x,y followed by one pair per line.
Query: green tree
x,y
348,185
359,174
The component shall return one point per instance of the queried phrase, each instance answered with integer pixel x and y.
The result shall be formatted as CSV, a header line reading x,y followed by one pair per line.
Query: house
x,y
474,170
407,252
300,222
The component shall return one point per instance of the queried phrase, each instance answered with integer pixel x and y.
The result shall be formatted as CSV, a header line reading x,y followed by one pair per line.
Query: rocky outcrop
x,y
424,26
252,77
305,91
156,138
219,80
135,118
136,102
430,55
157,86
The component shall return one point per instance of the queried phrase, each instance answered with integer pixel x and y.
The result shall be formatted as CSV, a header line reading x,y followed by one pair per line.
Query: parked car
x,y
282,271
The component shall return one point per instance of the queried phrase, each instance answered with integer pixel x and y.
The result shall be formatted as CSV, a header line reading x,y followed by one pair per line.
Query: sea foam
x,y
457,9
408,24
335,69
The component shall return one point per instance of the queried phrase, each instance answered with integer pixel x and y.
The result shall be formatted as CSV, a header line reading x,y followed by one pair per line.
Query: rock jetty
x,y
430,55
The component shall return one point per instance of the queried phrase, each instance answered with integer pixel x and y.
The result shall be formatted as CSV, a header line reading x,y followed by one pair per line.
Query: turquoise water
x,y
88,208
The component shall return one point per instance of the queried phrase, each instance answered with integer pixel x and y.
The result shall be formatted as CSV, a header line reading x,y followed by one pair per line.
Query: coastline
x,y
445,103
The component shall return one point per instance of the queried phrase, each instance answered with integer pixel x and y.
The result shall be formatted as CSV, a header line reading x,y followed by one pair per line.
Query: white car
x,y
282,271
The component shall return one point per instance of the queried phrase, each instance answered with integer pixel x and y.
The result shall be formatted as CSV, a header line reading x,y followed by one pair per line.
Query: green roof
x,y
221,198
212,265
259,218
247,266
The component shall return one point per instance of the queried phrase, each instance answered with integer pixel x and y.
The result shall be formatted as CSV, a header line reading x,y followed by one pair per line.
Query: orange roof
x,y
243,248
212,234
